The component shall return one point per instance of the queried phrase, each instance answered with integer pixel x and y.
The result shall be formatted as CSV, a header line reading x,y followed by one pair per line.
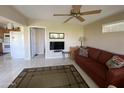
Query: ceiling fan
x,y
76,13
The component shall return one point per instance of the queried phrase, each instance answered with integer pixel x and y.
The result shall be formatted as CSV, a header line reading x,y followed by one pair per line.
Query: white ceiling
x,y
45,12
4,20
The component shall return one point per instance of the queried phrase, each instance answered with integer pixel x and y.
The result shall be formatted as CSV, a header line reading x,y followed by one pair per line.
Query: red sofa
x,y
94,66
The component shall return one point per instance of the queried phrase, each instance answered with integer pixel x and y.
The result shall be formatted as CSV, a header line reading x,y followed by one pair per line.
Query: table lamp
x,y
81,39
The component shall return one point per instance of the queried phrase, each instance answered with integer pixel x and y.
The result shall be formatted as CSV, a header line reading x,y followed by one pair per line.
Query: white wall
x,y
27,43
113,41
72,34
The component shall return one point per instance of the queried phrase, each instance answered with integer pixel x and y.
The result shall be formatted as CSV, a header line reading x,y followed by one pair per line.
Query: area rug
x,y
64,76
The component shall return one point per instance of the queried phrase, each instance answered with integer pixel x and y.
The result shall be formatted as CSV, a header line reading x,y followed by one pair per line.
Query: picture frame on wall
x,y
54,35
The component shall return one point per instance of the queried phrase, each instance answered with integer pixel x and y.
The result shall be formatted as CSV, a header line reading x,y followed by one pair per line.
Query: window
x,y
53,35
113,27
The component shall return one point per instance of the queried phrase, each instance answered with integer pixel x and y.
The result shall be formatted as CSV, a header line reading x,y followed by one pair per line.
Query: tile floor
x,y
10,68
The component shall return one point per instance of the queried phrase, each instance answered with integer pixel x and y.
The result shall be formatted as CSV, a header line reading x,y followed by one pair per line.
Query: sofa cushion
x,y
118,60
104,57
122,56
93,53
95,68
84,59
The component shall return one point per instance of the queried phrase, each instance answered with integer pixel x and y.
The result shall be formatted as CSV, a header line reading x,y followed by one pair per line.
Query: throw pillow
x,y
115,62
118,60
83,52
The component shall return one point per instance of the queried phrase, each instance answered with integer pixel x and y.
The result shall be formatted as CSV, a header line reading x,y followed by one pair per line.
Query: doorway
x,y
37,41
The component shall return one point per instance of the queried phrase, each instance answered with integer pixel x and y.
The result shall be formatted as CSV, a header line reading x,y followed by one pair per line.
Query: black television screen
x,y
56,45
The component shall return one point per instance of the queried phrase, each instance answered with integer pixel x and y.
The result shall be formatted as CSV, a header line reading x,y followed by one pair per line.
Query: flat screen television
x,y
56,45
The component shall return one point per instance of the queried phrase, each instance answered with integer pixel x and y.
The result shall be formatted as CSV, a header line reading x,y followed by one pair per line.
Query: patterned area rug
x,y
65,76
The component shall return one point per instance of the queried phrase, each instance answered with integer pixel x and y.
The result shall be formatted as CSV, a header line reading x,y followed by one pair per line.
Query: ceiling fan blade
x,y
91,12
76,8
80,18
61,15
68,19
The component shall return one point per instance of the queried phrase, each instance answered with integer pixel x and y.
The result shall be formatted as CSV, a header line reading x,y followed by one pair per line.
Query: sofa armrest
x,y
115,76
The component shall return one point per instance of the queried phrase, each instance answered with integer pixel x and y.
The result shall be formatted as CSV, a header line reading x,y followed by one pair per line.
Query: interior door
x,y
17,44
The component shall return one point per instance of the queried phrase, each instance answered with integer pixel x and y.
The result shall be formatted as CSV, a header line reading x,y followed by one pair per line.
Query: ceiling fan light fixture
x,y
78,14
75,12
75,15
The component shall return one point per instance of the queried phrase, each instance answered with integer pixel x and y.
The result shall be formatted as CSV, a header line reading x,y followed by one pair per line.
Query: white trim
x,y
33,26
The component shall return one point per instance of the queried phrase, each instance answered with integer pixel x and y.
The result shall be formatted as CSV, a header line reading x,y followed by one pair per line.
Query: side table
x,y
64,53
